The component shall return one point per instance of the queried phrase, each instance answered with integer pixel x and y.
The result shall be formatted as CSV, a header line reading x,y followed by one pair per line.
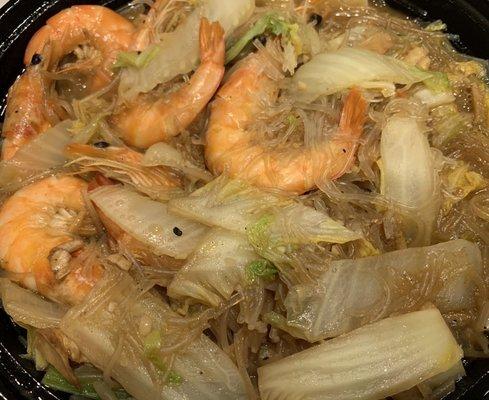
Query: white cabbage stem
x,y
149,221
215,270
43,153
164,154
372,362
352,293
105,328
28,308
237,206
333,72
409,177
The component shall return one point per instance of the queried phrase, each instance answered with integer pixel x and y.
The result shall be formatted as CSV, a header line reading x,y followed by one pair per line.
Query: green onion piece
x,y
269,22
152,344
260,269
54,380
136,59
438,82
174,378
292,120
156,360
257,29
259,232
278,321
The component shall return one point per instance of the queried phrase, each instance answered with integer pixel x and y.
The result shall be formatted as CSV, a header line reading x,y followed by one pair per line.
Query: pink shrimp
x,y
108,32
29,112
147,122
230,145
36,222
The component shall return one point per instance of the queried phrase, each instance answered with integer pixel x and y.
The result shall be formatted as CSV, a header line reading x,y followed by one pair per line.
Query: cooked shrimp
x,y
37,242
147,122
108,32
28,112
230,147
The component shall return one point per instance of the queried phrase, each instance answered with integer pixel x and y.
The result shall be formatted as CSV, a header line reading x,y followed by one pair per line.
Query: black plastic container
x,y
21,18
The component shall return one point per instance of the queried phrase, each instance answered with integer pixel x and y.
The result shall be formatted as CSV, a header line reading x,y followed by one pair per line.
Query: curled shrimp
x,y
37,245
147,122
104,29
29,112
230,145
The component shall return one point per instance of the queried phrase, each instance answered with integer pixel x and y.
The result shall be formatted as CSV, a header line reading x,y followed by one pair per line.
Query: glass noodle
x,y
344,256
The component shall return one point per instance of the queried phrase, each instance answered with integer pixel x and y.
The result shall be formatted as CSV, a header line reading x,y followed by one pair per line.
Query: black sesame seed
x,y
316,18
101,145
344,150
36,59
177,231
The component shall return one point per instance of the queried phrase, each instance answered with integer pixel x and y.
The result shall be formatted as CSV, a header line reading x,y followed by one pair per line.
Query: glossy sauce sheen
x,y
21,18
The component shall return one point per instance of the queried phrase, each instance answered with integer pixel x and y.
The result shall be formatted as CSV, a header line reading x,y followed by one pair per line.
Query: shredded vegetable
x,y
246,199
56,381
270,22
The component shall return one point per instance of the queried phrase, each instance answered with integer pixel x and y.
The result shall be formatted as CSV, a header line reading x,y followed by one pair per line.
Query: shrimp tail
x,y
212,45
353,117
354,114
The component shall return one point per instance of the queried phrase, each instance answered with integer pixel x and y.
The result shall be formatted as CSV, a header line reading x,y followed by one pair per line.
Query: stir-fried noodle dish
x,y
240,199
